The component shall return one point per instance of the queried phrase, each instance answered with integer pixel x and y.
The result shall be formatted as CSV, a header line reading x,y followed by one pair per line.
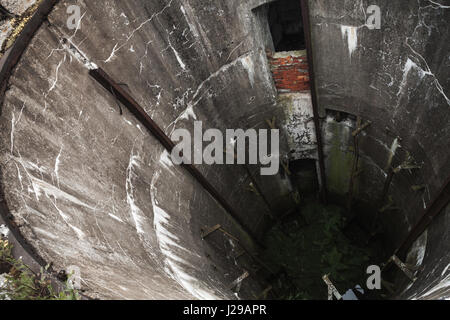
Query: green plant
x,y
23,284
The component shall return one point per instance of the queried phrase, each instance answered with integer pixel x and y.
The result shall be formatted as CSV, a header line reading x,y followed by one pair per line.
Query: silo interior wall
x,y
90,187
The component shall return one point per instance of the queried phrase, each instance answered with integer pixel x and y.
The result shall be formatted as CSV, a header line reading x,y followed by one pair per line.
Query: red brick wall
x,y
290,73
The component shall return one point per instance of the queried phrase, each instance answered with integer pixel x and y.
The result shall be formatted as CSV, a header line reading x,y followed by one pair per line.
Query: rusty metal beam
x,y
307,30
127,100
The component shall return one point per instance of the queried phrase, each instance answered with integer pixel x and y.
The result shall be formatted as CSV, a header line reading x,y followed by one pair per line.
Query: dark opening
x,y
285,20
304,176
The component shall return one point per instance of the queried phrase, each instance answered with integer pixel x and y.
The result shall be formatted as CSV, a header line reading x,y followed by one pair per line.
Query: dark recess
x,y
304,176
285,20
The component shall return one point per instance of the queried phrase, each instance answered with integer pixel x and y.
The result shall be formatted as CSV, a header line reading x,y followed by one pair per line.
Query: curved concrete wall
x,y
92,188
396,77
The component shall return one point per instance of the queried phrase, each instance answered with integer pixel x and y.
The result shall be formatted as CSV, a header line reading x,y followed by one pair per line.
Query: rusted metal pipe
x,y
307,31
127,100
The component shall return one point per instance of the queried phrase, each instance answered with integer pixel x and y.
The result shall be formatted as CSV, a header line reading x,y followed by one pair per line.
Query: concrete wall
x,y
87,186
396,77
90,187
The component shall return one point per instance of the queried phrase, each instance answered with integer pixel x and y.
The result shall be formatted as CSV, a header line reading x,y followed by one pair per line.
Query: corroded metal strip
x,y
307,28
354,166
361,128
402,266
210,231
237,283
332,291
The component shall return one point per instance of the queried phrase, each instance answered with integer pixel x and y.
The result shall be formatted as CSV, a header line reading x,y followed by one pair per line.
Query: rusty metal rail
x,y
127,100
307,28
438,206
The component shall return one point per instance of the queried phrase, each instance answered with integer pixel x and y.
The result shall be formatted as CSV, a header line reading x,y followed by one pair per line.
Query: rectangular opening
x,y
286,26
304,176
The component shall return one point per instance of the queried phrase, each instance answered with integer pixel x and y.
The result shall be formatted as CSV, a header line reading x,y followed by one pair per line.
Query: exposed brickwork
x,y
290,71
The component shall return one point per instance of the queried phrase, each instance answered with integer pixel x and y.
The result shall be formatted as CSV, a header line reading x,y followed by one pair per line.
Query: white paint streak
x,y
117,48
248,64
115,217
45,233
192,27
445,270
50,190
392,152
350,34
443,284
57,164
55,81
166,161
80,234
418,249
13,126
409,65
136,212
23,164
439,5
113,54
180,62
424,72
201,91
167,241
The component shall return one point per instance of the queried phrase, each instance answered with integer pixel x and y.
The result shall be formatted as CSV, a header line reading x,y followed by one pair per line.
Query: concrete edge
x,y
21,248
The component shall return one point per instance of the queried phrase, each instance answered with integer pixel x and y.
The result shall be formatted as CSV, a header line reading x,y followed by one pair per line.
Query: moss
x,y
311,245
